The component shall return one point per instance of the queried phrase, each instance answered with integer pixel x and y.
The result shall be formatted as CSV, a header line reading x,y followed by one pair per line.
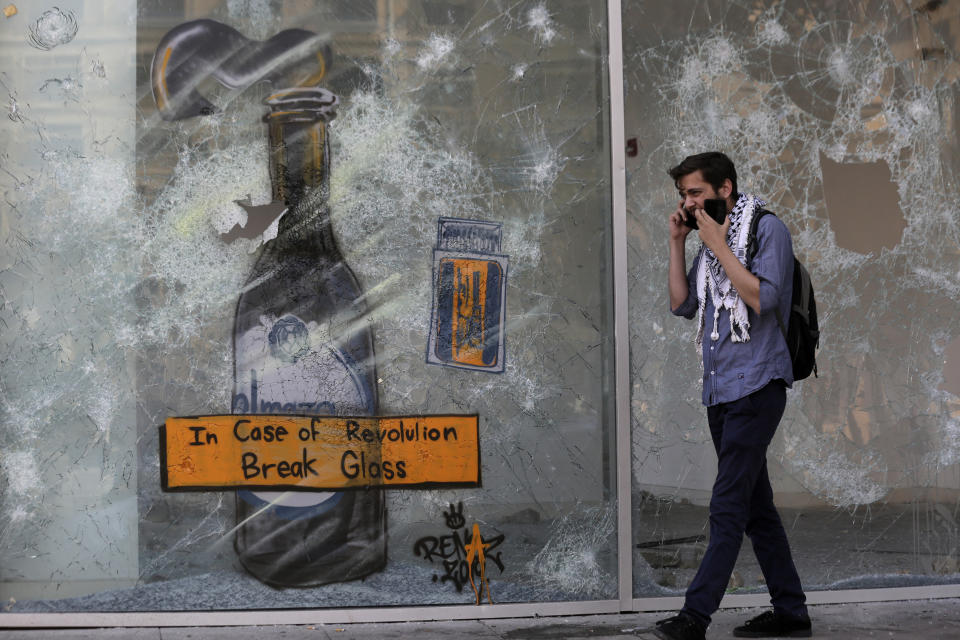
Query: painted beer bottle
x,y
301,346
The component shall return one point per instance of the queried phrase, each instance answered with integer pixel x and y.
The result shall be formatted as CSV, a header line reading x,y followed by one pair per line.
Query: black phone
x,y
716,208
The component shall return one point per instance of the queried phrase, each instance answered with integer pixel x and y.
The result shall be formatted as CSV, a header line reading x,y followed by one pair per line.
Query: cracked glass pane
x,y
843,116
347,208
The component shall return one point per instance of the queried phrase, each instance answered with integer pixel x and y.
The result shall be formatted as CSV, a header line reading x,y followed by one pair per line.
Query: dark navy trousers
x,y
742,502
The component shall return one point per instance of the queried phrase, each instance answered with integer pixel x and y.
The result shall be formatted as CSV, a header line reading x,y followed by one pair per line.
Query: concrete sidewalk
x,y
916,619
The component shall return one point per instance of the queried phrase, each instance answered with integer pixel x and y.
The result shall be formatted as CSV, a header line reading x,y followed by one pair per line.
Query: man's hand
x,y
677,271
678,230
713,235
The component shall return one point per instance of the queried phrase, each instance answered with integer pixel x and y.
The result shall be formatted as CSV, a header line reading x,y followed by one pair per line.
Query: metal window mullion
x,y
618,185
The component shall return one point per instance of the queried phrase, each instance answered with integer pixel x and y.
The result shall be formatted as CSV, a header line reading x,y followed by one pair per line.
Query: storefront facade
x,y
441,228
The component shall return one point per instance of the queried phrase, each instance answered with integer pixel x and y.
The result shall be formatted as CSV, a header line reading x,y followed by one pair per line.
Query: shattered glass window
x,y
843,116
343,208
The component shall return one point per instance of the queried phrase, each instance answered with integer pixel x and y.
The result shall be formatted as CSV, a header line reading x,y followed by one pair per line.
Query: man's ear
x,y
725,189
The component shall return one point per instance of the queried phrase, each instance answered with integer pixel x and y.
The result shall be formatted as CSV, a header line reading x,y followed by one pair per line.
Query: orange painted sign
x,y
307,453
469,312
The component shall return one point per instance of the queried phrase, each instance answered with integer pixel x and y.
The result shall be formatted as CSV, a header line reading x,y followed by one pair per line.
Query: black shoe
x,y
680,627
771,624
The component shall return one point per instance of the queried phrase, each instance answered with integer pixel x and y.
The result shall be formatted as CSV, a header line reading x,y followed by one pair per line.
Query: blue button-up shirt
x,y
732,370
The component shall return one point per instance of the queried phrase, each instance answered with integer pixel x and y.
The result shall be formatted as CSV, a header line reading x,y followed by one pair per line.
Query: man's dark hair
x,y
715,166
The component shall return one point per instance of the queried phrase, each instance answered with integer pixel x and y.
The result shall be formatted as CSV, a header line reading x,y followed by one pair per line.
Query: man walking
x,y
746,371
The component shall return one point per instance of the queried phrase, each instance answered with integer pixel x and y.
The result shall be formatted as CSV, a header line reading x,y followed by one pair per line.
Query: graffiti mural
x,y
271,209
298,347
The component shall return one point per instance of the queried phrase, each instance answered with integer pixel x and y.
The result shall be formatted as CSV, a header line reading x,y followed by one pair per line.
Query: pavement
x,y
915,619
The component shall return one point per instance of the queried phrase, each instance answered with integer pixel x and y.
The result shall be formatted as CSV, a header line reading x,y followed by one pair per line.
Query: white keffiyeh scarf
x,y
711,276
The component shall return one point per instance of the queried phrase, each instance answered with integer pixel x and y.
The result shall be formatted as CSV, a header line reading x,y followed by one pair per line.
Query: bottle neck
x,y
299,177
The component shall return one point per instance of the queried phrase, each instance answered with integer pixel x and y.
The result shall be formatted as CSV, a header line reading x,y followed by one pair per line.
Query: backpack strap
x,y
752,244
752,248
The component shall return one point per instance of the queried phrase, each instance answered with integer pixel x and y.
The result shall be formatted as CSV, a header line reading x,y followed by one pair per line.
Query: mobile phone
x,y
716,208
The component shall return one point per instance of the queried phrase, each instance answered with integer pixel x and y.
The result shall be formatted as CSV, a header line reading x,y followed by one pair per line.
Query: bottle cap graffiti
x,y
193,51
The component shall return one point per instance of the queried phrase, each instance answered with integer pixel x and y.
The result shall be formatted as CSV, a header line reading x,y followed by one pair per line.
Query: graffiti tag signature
x,y
462,554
